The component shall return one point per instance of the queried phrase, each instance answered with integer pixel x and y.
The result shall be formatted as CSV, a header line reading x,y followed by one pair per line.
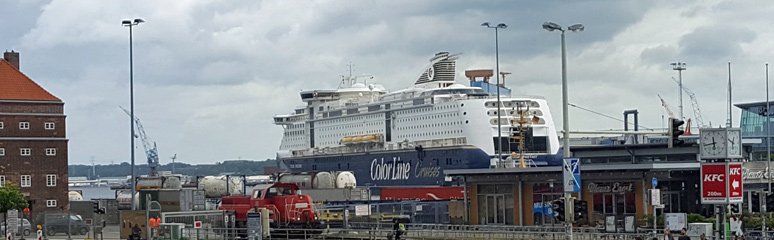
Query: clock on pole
x,y
720,143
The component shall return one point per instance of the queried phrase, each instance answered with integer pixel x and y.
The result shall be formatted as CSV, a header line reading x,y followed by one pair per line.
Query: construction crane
x,y
694,104
150,149
666,107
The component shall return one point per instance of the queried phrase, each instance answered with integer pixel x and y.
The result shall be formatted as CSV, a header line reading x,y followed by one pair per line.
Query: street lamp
x,y
130,24
565,117
680,67
549,26
497,77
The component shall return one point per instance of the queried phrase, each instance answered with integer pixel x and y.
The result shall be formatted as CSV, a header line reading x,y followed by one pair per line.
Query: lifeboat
x,y
359,139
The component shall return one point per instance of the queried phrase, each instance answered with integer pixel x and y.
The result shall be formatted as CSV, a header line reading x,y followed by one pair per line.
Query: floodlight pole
x,y
133,181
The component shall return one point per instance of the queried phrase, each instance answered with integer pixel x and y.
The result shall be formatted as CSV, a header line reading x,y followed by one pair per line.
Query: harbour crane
x,y
694,104
666,106
150,146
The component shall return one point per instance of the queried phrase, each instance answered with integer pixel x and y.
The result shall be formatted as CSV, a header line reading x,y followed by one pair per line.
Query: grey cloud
x,y
718,43
658,55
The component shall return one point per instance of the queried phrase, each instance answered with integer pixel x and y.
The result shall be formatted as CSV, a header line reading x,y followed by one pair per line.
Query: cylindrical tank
x,y
303,180
323,180
172,182
345,179
215,186
149,183
74,196
124,199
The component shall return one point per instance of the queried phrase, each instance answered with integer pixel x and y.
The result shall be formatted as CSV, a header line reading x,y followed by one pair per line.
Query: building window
x,y
25,151
2,125
24,125
50,180
49,125
26,181
2,181
2,151
51,203
50,151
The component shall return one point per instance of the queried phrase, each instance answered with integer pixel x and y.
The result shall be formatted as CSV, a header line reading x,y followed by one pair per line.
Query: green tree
x,y
11,198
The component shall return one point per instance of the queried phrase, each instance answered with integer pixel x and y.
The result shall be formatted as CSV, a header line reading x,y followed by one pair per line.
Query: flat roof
x,y
752,104
588,167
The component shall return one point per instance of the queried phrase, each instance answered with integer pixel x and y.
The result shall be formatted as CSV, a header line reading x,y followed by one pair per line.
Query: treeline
x,y
231,167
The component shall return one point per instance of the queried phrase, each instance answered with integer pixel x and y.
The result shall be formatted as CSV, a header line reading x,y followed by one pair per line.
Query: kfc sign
x,y
721,183
735,186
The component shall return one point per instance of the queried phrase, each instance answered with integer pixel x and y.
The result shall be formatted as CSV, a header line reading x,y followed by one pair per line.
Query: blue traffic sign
x,y
571,174
654,182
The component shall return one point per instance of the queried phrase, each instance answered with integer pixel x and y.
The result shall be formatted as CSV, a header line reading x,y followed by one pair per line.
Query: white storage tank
x,y
345,179
74,196
215,186
124,199
323,180
172,182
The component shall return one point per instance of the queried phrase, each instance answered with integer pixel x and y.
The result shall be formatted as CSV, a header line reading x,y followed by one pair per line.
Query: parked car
x,y
62,223
25,227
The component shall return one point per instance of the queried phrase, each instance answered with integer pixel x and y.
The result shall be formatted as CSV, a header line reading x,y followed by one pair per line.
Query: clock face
x,y
734,143
713,144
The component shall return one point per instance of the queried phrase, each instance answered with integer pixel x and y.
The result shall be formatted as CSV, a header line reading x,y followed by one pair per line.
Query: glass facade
x,y
753,125
495,204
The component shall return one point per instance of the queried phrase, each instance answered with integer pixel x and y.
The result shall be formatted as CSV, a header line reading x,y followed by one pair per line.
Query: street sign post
x,y
13,221
571,175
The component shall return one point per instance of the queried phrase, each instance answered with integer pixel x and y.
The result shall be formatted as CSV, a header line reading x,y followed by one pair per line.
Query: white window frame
x,y
24,125
51,180
2,180
49,125
2,151
51,203
25,151
50,151
26,181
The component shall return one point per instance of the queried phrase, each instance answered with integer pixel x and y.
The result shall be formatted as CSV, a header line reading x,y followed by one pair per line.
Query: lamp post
x,y
679,67
497,77
568,203
130,24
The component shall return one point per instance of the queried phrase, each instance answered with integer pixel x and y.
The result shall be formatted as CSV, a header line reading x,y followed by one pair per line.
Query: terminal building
x,y
615,183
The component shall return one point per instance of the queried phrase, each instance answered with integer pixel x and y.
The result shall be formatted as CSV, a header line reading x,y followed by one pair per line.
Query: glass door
x,y
495,209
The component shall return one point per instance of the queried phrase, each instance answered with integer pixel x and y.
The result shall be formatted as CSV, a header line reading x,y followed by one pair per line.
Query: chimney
x,y
12,58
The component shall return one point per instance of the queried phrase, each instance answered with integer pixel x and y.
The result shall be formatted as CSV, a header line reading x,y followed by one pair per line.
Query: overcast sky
x,y
209,75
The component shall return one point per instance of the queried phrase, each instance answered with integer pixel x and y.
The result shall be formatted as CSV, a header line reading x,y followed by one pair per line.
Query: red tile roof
x,y
14,85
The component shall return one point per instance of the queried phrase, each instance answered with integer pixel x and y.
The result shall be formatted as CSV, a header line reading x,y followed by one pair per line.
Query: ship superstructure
x,y
410,136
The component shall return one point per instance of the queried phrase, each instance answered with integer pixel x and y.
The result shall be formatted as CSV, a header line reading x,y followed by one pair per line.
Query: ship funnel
x,y
441,68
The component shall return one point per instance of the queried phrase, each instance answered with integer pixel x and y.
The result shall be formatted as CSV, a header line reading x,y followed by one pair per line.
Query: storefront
x,y
612,191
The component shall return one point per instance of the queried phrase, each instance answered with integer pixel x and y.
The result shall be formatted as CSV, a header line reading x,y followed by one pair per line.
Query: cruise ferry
x,y
410,136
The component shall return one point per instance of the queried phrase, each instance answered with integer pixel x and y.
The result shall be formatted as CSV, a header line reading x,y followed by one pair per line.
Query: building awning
x,y
591,167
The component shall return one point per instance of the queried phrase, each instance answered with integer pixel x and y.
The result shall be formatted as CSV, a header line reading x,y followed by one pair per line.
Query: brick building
x,y
33,144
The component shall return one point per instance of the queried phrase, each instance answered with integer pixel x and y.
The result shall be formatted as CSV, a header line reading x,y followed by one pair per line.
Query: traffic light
x,y
675,132
580,208
558,207
97,209
735,209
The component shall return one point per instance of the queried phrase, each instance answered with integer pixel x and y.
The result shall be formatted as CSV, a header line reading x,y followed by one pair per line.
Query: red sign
x,y
735,183
721,183
713,183
422,193
197,224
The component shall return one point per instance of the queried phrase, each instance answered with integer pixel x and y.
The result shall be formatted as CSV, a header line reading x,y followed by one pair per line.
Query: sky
x,y
209,75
